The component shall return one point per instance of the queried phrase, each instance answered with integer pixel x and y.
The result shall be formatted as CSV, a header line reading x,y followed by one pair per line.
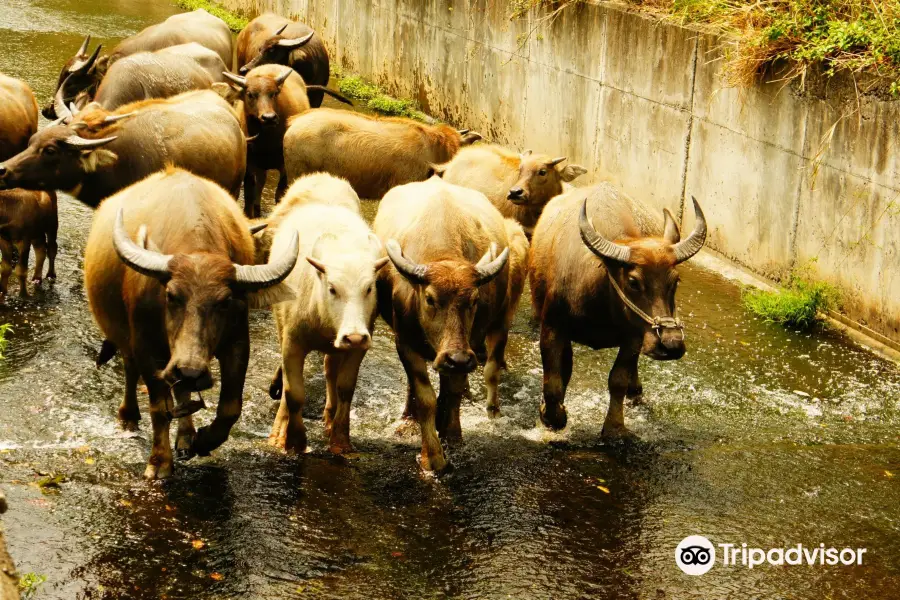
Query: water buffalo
x,y
601,293
335,307
176,298
448,286
272,39
373,153
519,185
161,74
27,219
97,153
84,72
18,116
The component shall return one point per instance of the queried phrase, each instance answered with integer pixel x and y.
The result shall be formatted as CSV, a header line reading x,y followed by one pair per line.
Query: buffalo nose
x,y
355,340
190,373
460,360
516,193
268,118
243,70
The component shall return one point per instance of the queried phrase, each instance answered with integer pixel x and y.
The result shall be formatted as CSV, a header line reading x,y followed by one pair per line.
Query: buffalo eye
x,y
542,172
429,299
173,298
368,290
332,290
634,283
50,150
253,95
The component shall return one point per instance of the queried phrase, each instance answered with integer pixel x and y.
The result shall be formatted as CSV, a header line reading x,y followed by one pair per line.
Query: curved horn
x,y
116,118
598,244
463,131
257,277
283,77
236,79
556,161
84,46
59,103
85,144
252,138
147,262
82,67
281,29
254,229
414,272
297,42
691,246
484,273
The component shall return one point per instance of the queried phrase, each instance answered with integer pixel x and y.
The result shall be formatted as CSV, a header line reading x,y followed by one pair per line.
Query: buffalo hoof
x,y
342,447
51,277
275,389
554,418
616,433
184,454
493,411
36,280
277,441
161,471
436,464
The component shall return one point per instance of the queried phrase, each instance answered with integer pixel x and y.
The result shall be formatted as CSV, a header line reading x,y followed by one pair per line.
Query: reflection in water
x,y
758,435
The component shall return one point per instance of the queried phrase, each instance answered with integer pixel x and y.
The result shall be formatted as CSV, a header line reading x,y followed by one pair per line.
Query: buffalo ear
x,y
470,138
315,263
91,160
227,91
670,232
270,296
570,172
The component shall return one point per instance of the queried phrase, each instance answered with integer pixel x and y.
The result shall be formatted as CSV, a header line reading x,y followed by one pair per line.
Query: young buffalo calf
x,y
27,219
601,293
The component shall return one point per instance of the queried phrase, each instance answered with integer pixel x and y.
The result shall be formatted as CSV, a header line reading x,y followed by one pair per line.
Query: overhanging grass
x,y
4,329
375,99
859,36
798,306
234,21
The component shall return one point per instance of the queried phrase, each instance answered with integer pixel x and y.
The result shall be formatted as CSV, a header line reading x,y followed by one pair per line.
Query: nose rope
x,y
656,323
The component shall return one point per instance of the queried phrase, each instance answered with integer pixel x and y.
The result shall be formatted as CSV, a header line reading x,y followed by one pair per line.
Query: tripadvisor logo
x,y
696,555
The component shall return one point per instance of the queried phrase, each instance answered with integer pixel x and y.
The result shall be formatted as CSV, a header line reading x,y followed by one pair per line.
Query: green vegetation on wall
x,y
4,329
374,97
234,21
800,305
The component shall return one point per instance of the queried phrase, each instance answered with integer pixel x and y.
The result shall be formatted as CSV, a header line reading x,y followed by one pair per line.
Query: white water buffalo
x,y
335,306
84,72
609,287
449,284
176,298
97,153
519,185
373,153
273,39
27,219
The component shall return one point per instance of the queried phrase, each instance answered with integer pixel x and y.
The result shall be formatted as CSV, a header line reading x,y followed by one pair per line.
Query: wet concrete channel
x,y
758,436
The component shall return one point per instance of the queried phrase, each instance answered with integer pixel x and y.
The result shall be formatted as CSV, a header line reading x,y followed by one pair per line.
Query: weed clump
x,y
4,329
799,305
375,99
235,22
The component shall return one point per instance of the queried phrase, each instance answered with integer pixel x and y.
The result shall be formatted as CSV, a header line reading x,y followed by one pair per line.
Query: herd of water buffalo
x,y
160,134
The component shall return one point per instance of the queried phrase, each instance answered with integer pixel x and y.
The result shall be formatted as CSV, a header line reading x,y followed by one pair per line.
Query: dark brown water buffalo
x,y
272,39
27,219
519,185
161,74
373,153
602,293
177,298
18,116
448,286
84,72
97,153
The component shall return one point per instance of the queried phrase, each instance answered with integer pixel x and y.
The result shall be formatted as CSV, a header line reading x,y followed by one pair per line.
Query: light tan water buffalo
x,y
97,153
18,116
84,72
273,39
373,153
335,306
519,185
609,287
458,269
27,219
176,298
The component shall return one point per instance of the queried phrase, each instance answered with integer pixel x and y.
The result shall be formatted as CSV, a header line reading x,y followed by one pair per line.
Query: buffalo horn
x,y
254,229
59,103
116,118
147,262
414,272
236,79
257,277
598,244
85,144
84,66
296,42
691,246
283,77
556,161
281,29
84,47
463,131
484,273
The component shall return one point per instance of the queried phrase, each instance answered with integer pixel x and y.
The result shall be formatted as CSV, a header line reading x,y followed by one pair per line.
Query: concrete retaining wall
x,y
642,103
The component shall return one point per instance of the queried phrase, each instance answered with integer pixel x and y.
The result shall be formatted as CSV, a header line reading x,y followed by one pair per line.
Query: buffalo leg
x,y
40,255
254,181
5,266
184,439
496,362
635,391
432,457
289,431
24,248
275,388
556,357
619,379
52,249
341,373
160,464
453,388
129,412
282,185
233,365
